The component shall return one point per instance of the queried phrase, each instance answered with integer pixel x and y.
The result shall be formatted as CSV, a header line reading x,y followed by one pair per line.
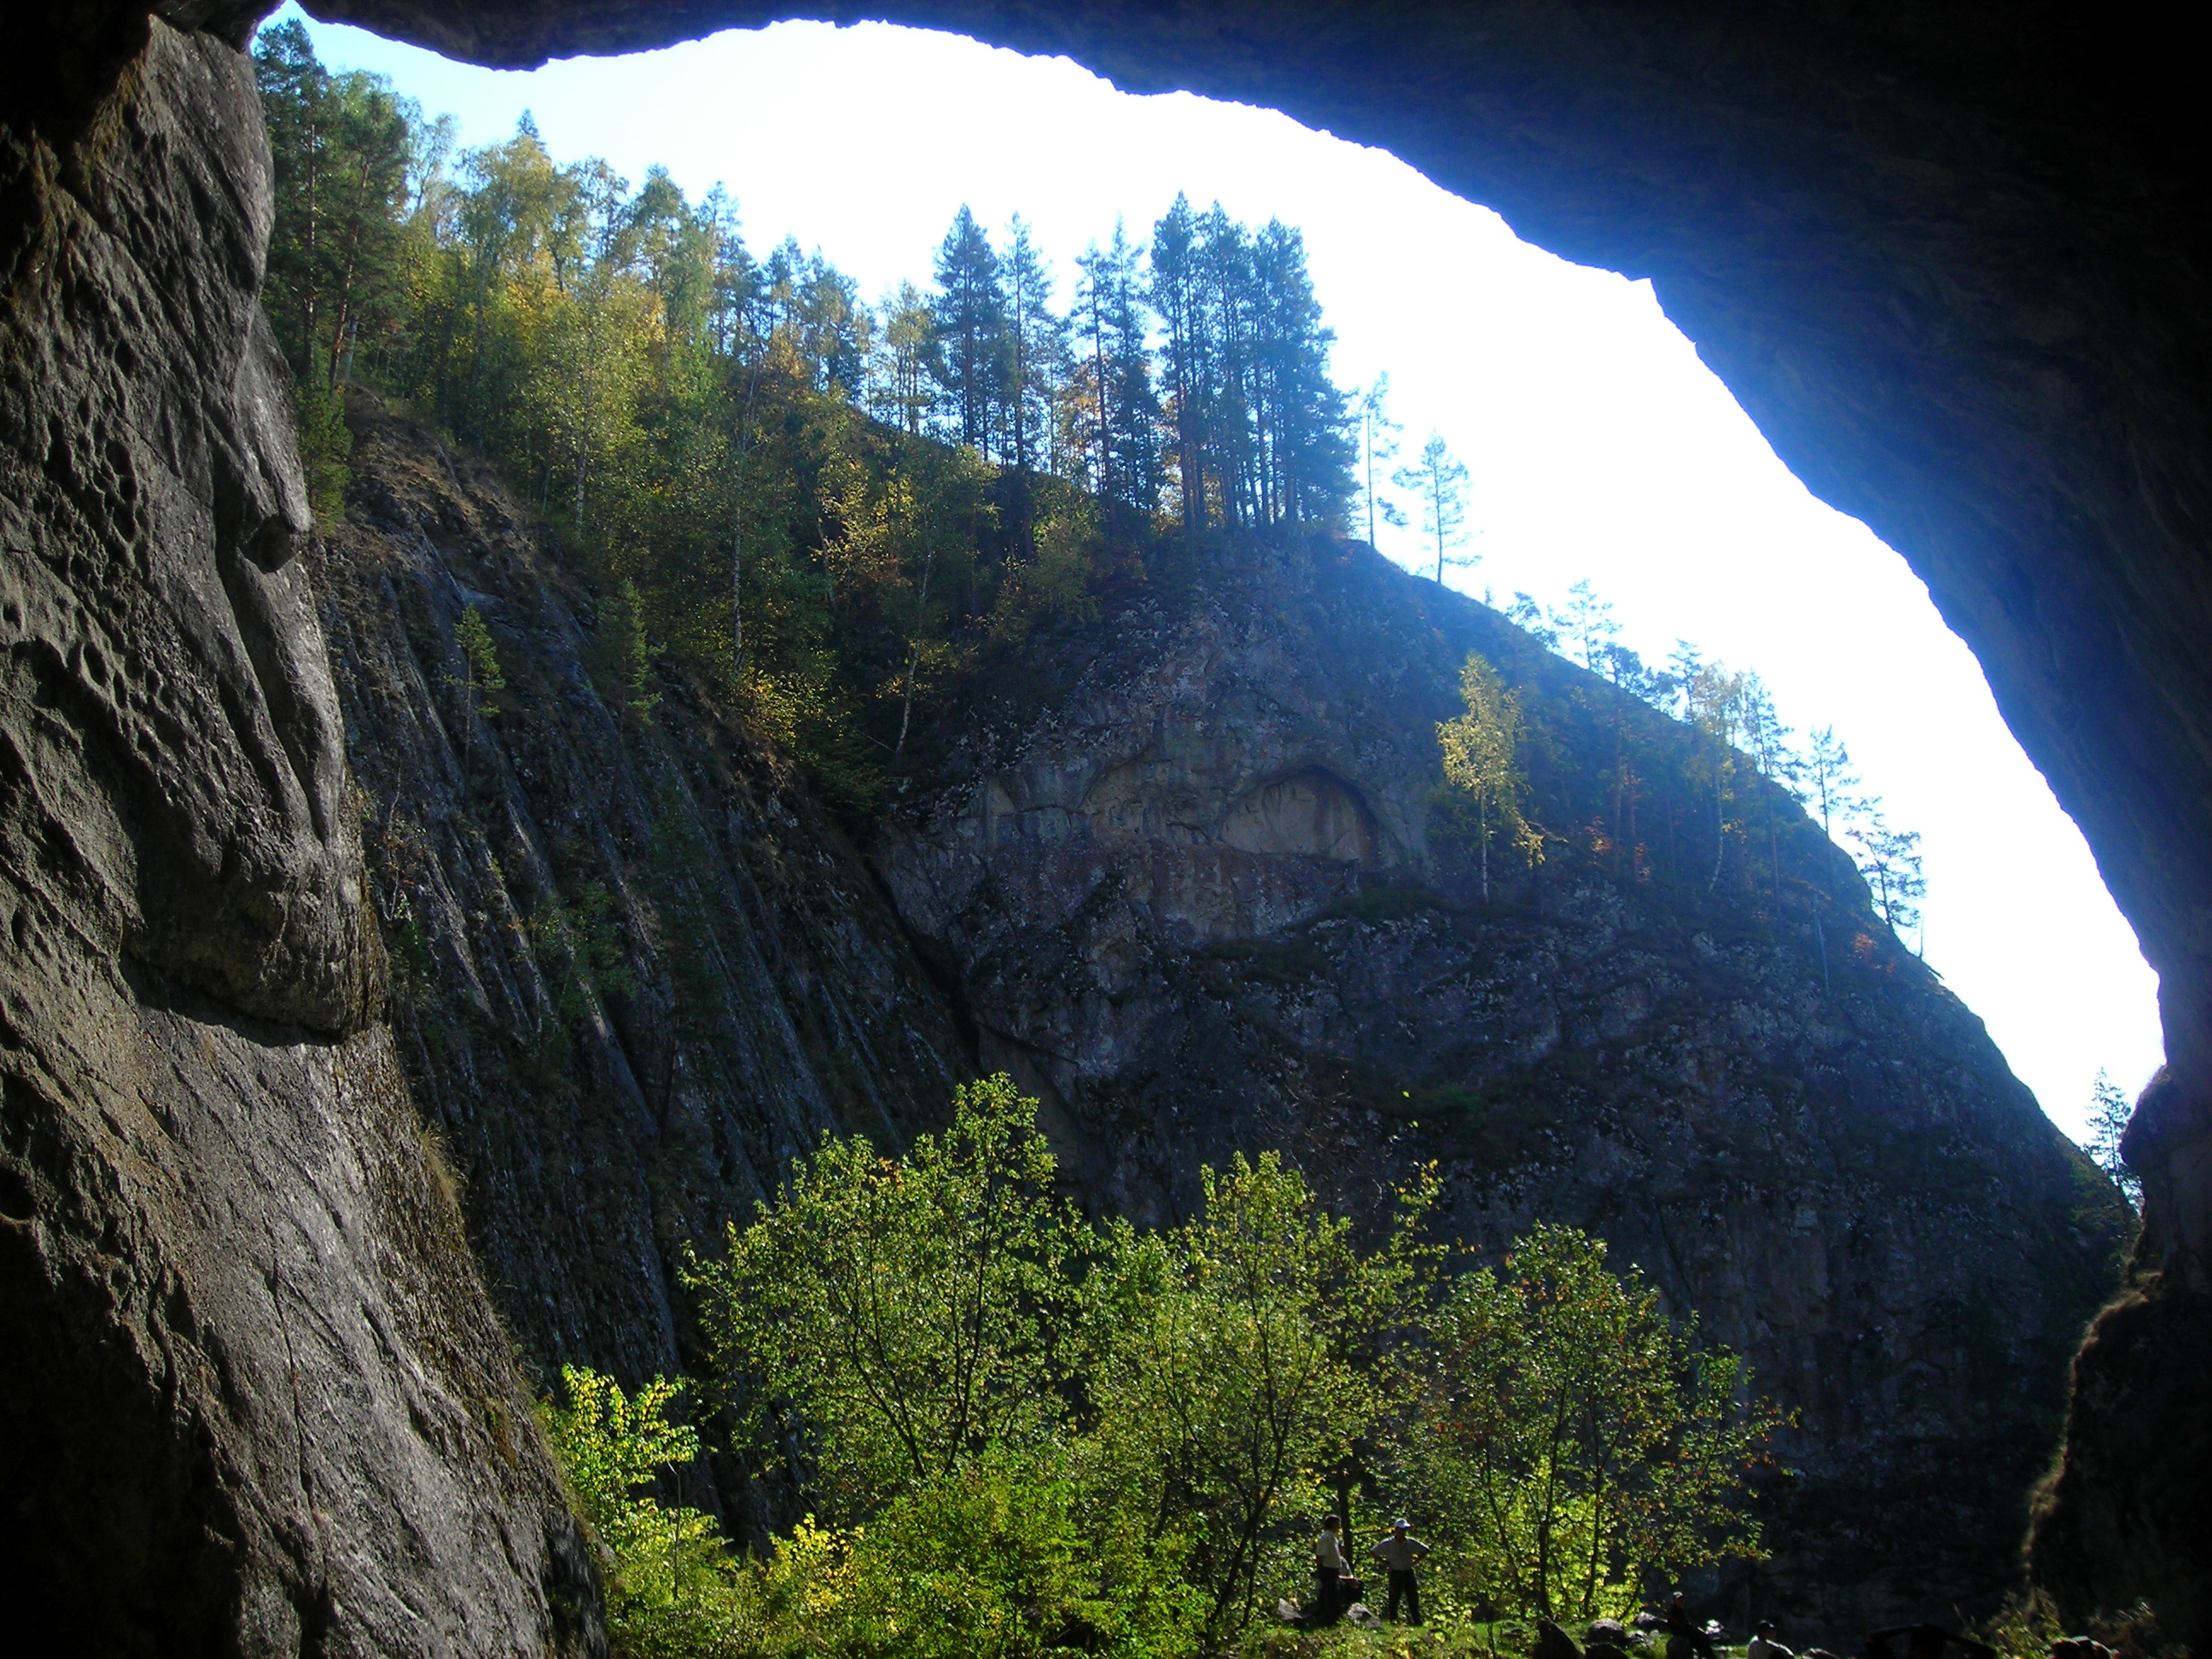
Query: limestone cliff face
x,y
254,1399
1193,884
636,969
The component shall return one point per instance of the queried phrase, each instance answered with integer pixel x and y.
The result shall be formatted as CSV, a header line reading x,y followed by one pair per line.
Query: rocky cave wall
x,y
254,1399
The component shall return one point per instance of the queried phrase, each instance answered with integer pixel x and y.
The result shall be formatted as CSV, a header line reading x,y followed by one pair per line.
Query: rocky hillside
x,y
1198,893
1181,870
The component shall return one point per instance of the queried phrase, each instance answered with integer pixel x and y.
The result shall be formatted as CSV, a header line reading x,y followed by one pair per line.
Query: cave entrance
x,y
1598,449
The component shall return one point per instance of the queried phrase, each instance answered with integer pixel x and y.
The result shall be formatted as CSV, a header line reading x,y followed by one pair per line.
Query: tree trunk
x,y
914,651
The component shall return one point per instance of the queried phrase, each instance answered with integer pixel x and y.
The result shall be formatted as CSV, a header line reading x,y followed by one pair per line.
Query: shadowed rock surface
x,y
254,1399
636,970
1195,883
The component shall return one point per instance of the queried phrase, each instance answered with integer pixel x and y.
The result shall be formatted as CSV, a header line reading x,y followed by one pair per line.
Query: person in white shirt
x,y
1763,1646
1329,1569
1398,1552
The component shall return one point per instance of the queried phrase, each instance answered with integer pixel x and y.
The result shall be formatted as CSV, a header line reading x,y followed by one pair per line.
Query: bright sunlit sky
x,y
1599,446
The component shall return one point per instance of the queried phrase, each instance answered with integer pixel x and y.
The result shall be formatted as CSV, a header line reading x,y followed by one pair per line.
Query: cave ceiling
x,y
1949,260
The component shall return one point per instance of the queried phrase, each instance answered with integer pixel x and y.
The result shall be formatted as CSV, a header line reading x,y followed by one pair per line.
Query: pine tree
x,y
1829,777
1529,616
1223,266
1769,742
1119,372
1302,444
898,387
970,313
1890,861
2110,1113
341,147
1378,441
1036,345
1712,701
1174,294
1586,623
1439,480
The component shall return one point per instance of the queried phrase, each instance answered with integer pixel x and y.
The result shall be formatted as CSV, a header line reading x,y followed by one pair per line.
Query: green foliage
x,y
1890,861
1483,774
671,1591
697,419
994,1559
1442,1638
325,446
1230,1384
344,148
1571,1444
2111,1111
579,947
1438,481
626,654
912,1313
480,674
1038,1438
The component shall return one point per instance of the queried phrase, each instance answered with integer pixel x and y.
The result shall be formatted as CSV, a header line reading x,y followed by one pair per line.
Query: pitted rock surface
x,y
254,1400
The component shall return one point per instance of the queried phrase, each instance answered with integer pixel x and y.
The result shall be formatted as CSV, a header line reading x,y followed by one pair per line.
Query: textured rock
x,y
1193,886
755,991
254,1399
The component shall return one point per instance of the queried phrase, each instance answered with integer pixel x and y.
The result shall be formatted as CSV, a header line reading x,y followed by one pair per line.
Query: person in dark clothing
x,y
1398,1553
1680,1626
1330,1568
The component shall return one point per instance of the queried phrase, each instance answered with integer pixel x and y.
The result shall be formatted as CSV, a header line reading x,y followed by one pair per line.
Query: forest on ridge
x,y
823,506
831,513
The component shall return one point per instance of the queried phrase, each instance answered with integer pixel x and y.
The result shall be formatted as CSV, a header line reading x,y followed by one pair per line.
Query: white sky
x,y
1599,445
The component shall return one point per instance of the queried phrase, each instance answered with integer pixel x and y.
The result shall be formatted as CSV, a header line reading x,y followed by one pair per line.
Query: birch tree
x,y
1482,766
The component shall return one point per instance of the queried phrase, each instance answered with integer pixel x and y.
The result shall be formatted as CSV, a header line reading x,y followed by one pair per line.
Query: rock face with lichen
x,y
1198,887
254,1399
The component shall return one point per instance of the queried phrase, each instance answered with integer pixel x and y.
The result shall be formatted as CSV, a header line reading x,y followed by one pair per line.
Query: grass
x,y
1448,1636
